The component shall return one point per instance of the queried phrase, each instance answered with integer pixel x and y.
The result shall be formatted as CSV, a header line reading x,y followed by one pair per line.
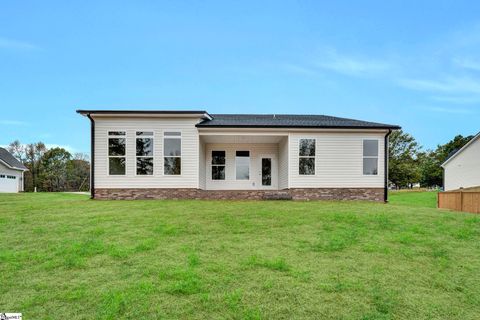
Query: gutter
x,y
92,156
385,172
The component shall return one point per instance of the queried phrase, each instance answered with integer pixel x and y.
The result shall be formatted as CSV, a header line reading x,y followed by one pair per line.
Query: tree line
x,y
53,169
410,165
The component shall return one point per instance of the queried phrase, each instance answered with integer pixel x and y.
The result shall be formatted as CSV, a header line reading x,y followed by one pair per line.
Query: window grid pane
x,y
116,166
172,165
144,147
218,157
370,166
116,146
370,148
172,147
307,147
218,172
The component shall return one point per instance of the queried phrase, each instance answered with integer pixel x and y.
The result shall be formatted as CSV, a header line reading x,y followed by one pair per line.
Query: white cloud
x,y
467,63
16,45
451,110
299,69
457,99
331,60
448,84
13,123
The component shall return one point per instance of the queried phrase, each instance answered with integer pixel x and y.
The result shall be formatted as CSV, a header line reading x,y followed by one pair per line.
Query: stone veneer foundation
x,y
370,194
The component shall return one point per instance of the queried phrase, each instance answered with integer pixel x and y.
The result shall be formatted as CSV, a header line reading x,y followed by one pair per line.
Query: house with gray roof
x,y
11,172
138,154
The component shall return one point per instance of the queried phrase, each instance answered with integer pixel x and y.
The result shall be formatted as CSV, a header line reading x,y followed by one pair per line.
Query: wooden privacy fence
x,y
459,201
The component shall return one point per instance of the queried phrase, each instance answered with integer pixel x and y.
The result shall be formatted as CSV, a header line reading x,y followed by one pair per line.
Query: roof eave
x,y
200,125
12,167
202,113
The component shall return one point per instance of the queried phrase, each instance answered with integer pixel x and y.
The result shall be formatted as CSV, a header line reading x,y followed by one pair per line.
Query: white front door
x,y
268,172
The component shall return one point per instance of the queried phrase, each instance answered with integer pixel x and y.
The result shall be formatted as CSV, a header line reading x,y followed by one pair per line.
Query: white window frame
x,y
218,165
108,150
371,157
307,157
153,151
249,165
181,151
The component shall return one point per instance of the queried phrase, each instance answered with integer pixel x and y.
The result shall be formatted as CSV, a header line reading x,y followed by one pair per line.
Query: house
x,y
462,169
193,154
11,172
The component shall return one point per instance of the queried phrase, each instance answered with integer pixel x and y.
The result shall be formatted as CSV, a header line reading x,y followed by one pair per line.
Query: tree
x,y
431,161
52,170
17,149
33,157
53,176
403,159
78,173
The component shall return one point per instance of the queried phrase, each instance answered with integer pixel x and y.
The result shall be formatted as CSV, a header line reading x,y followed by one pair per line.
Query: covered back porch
x,y
243,161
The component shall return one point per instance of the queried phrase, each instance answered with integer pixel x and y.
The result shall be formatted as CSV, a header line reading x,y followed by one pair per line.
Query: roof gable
x,y
469,143
12,162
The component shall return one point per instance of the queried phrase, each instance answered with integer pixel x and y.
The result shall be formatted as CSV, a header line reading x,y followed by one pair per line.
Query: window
x,y
144,153
2,176
242,165
306,157
11,177
218,165
370,157
172,153
116,152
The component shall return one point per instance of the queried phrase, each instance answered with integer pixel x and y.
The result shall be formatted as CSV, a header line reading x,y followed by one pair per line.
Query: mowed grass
x,y
63,256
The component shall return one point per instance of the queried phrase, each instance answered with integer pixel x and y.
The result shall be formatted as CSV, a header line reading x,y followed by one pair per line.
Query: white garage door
x,y
8,183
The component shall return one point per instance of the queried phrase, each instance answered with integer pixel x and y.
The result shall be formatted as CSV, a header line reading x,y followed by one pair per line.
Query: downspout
x,y
92,156
385,191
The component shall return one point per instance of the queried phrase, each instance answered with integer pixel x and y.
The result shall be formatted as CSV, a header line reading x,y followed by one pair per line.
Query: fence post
x,y
461,201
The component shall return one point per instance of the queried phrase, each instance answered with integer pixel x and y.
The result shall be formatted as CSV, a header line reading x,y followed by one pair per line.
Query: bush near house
x,y
64,256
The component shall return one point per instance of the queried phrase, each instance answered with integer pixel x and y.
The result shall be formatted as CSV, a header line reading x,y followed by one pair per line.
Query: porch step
x,y
279,195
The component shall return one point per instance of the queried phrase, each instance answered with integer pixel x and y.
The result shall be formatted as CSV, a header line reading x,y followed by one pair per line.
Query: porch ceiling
x,y
240,139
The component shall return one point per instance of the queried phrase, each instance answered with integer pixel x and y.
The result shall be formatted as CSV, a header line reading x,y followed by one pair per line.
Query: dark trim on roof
x,y
85,112
393,127
304,121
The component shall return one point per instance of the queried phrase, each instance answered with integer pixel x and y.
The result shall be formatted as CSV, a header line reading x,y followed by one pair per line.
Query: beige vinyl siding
x,y
230,182
463,170
283,164
338,161
190,153
201,165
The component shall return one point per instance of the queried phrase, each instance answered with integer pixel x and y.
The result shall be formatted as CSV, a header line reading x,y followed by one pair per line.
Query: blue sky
x,y
416,64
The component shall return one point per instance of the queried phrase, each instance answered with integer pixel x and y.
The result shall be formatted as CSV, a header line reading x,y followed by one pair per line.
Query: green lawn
x,y
63,256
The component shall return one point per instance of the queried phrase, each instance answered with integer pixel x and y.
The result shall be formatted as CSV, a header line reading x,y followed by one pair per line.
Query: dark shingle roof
x,y
288,121
10,160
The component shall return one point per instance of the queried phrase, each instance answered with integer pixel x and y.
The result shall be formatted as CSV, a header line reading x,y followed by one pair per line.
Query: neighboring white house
x,y
462,170
11,172
193,154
